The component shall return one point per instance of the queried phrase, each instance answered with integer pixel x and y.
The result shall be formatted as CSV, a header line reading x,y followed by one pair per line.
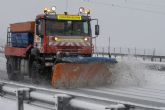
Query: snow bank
x,y
6,104
128,73
131,72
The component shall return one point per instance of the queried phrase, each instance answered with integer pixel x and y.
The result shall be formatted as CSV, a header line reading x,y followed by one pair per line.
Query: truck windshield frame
x,y
68,27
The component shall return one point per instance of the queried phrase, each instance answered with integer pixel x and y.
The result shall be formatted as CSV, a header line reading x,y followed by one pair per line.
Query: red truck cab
x,y
63,34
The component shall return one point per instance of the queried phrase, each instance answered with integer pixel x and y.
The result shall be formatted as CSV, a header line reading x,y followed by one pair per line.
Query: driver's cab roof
x,y
70,17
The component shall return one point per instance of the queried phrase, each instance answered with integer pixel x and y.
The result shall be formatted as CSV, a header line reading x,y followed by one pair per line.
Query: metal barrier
x,y
150,54
59,101
83,99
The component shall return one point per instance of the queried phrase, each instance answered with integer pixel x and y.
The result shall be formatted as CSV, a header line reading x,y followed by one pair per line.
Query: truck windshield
x,y
67,28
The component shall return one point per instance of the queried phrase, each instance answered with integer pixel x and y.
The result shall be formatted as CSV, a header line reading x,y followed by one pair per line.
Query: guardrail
x,y
55,99
123,50
151,54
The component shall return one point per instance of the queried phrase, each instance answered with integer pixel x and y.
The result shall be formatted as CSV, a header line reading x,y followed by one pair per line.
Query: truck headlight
x,y
56,38
86,39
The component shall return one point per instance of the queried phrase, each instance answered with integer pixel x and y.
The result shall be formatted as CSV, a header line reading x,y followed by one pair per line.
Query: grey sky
x,y
125,22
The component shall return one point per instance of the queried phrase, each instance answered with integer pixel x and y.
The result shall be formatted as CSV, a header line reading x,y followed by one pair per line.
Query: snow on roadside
x,y
131,72
128,73
3,74
7,104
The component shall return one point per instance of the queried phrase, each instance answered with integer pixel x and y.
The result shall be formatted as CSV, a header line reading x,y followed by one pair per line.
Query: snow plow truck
x,y
56,47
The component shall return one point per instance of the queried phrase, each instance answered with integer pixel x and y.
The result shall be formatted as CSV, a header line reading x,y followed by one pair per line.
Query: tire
x,y
35,72
48,73
10,69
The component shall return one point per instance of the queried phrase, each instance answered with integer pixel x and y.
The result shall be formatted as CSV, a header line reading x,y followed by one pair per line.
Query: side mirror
x,y
37,30
39,27
97,29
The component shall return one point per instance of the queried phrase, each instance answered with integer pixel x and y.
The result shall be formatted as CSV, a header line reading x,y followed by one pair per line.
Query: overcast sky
x,y
129,23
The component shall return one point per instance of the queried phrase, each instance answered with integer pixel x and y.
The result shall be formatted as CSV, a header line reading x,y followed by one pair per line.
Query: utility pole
x,y
95,45
109,45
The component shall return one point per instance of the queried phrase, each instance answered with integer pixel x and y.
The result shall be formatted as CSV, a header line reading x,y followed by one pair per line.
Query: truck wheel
x,y
35,72
10,69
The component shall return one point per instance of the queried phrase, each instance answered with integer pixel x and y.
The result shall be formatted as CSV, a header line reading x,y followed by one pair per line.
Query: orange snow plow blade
x,y
72,75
